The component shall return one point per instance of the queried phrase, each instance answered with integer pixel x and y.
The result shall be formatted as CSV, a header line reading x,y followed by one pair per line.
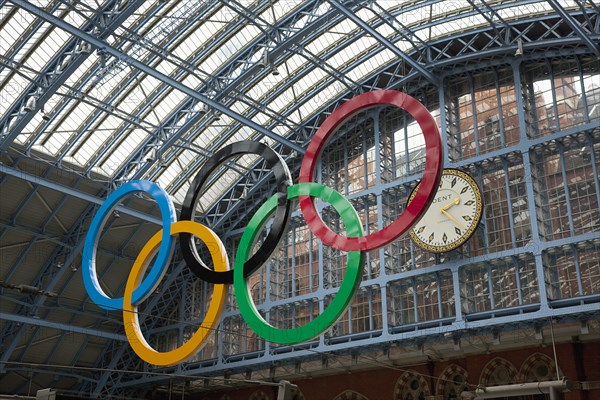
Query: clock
x,y
453,215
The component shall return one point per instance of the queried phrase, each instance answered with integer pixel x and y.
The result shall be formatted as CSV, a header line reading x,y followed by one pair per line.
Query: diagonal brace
x,y
383,40
153,73
572,22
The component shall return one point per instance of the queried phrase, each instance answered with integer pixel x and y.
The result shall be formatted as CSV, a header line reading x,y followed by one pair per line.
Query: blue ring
x,y
163,258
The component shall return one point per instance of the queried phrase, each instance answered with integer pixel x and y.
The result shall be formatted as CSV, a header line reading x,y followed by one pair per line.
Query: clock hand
x,y
447,214
452,203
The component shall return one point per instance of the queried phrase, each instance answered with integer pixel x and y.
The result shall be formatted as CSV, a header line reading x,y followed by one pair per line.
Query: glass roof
x,y
266,60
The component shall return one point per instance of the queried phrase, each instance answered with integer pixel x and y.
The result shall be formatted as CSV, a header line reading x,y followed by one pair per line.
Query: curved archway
x,y
498,371
538,367
411,386
259,395
350,395
297,394
452,382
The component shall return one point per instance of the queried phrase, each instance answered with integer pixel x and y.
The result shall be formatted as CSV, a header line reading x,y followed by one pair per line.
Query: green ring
x,y
349,284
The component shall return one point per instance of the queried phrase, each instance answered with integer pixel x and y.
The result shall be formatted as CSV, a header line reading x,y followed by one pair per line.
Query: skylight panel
x,y
89,145
368,66
309,80
229,48
34,126
27,133
166,67
277,10
240,107
140,13
75,18
316,101
322,42
47,49
521,10
167,105
83,69
261,119
149,83
192,43
207,136
121,152
296,62
282,100
13,30
192,81
110,79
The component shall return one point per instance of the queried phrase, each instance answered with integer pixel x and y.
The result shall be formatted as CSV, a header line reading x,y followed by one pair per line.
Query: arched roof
x,y
93,94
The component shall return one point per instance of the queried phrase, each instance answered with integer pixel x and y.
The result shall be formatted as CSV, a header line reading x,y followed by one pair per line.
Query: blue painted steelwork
x,y
63,65
71,192
151,72
480,322
390,46
583,35
22,319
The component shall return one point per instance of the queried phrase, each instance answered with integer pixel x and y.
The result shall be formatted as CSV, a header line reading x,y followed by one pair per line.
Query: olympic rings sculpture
x,y
143,278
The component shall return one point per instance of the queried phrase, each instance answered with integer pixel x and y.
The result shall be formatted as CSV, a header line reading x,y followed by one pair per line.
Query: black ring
x,y
281,215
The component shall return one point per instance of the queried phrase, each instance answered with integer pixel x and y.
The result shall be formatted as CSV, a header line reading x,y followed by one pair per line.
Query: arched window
x,y
538,367
411,386
350,395
259,395
498,371
452,382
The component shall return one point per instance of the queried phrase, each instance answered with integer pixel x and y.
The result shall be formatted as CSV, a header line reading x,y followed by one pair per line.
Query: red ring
x,y
424,195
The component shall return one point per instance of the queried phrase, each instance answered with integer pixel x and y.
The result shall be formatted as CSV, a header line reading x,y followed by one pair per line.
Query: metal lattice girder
x,y
252,75
574,24
124,356
146,106
154,73
164,136
21,319
64,64
440,63
72,192
95,72
226,78
391,46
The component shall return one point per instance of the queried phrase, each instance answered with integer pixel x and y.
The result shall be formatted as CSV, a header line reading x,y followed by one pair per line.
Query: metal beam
x,y
60,68
383,40
152,72
572,22
72,192
21,319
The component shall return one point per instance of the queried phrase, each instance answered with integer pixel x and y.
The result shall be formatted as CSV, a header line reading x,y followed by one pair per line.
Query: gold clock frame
x,y
470,231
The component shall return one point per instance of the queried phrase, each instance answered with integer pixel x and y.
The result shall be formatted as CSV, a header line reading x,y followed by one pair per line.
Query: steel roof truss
x,y
59,70
574,24
151,72
384,41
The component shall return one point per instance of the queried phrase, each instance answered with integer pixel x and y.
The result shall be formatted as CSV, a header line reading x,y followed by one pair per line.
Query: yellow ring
x,y
130,315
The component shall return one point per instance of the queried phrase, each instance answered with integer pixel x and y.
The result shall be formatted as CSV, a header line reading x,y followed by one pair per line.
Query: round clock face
x,y
453,215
